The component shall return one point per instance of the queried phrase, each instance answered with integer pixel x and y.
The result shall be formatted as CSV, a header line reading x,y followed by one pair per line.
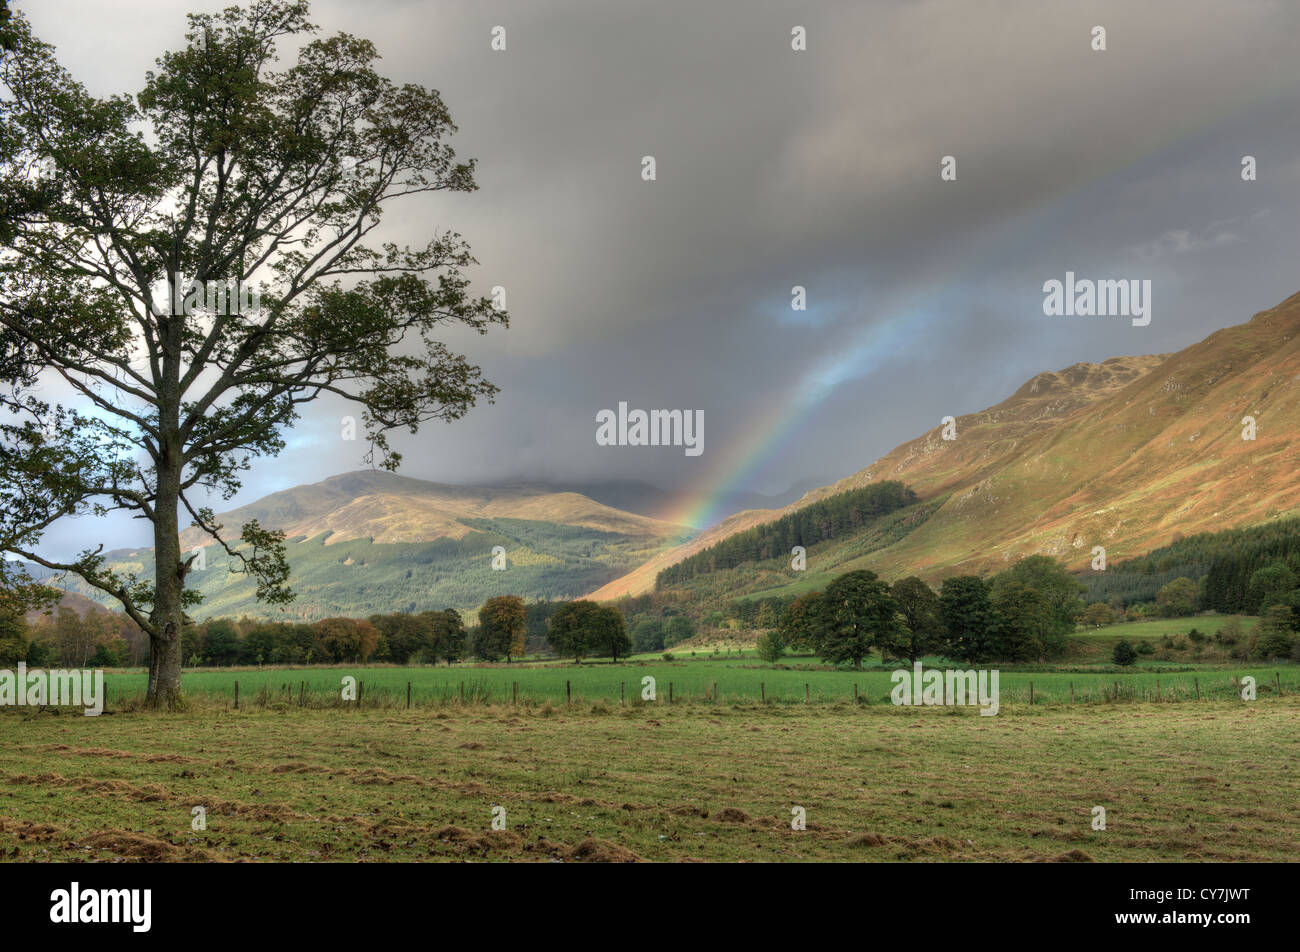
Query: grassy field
x,y
1160,627
738,680
1214,781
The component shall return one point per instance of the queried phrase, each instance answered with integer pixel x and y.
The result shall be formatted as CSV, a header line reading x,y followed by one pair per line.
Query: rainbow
x,y
768,432
895,332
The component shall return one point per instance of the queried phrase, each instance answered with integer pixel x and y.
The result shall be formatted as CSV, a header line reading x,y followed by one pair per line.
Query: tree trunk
x,y
169,581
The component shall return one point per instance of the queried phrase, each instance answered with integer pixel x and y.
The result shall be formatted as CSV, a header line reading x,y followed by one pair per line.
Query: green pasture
x,y
736,680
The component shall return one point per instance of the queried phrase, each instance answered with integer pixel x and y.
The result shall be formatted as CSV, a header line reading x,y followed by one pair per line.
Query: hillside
x,y
1127,454
647,500
71,600
386,508
369,542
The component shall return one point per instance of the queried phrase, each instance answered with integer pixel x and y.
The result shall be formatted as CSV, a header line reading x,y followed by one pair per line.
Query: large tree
x,y
1270,585
1177,598
573,629
799,622
502,626
1275,635
610,634
1023,622
921,631
1058,590
968,618
448,635
126,216
648,635
857,613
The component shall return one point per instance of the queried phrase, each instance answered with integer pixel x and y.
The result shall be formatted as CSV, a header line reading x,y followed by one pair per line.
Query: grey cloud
x,y
818,168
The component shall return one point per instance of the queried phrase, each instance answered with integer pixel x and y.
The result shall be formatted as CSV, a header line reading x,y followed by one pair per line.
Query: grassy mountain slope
x,y
386,508
374,542
1127,454
71,600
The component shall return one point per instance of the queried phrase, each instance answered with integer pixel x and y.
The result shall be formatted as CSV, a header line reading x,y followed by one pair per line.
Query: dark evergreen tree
x,y
967,615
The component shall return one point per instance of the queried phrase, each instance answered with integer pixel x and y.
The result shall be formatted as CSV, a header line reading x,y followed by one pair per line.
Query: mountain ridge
x,y
389,508
373,542
1064,462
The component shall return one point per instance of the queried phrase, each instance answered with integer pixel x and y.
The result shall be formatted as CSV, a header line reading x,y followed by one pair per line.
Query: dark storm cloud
x,y
816,168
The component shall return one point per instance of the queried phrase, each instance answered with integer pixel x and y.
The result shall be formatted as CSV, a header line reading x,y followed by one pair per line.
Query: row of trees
x,y
1222,565
656,634
1276,583
583,629
427,637
1025,613
831,517
577,629
107,640
65,639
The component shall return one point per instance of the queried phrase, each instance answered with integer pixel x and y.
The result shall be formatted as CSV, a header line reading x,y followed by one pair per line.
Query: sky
x,y
818,168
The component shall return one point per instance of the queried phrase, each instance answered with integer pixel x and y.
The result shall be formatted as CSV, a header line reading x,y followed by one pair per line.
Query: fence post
x,y
568,692
670,692
806,696
514,697
462,692
1157,689
1071,692
1197,683
855,693
408,695
715,692
1031,693
622,692
361,686
762,692
236,695
302,690
1278,675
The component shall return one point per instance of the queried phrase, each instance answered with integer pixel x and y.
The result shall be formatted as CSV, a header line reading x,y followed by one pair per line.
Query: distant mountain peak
x,y
388,508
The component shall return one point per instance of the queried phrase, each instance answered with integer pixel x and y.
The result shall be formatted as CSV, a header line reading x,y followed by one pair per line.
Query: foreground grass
x,y
1215,781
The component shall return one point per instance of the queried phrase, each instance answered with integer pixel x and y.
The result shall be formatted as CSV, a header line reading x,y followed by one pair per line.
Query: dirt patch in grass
x,y
151,793
463,841
1073,856
870,840
129,845
296,768
120,754
688,809
378,777
30,832
732,815
592,850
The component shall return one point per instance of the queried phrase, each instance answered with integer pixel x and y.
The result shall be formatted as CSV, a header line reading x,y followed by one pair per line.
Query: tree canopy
x,y
193,264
